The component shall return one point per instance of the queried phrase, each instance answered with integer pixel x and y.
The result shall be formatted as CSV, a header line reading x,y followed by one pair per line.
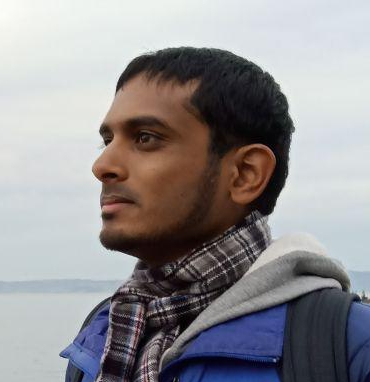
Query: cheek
x,y
169,186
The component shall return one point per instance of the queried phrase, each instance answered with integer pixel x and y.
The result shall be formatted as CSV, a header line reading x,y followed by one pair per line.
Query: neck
x,y
159,253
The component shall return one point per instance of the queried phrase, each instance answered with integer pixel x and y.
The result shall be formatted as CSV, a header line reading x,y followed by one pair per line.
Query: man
x,y
196,148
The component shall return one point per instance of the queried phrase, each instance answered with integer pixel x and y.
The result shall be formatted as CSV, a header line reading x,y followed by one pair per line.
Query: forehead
x,y
168,101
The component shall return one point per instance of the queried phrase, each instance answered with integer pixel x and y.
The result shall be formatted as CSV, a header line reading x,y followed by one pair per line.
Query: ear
x,y
252,168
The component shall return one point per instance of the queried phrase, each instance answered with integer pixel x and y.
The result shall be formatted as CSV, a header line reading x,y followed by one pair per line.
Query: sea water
x,y
34,328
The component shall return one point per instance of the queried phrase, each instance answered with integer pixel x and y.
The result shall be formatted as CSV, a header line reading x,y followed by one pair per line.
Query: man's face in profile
x,y
160,185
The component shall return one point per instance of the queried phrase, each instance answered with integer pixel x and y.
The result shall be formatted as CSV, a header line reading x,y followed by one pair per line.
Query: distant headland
x,y
360,281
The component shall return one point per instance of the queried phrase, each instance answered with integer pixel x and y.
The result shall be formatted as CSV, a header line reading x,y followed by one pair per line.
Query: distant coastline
x,y
60,286
360,282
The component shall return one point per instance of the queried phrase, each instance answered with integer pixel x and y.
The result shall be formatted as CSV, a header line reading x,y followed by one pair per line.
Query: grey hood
x,y
290,267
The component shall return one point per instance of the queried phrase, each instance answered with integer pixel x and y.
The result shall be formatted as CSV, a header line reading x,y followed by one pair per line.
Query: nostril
x,y
110,175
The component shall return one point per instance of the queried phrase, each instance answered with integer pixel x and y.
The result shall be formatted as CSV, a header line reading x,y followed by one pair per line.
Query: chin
x,y
117,241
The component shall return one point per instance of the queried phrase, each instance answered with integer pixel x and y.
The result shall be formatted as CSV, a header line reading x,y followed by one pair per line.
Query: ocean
x,y
34,328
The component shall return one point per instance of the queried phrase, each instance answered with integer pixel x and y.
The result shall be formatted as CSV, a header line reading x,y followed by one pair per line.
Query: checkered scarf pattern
x,y
151,309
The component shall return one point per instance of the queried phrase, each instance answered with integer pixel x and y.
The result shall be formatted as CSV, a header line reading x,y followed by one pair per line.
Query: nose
x,y
110,166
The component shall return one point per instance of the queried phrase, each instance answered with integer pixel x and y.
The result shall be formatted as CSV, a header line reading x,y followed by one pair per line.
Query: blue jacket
x,y
248,348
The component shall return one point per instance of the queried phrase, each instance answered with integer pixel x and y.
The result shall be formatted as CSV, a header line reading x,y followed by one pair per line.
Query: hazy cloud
x,y
60,61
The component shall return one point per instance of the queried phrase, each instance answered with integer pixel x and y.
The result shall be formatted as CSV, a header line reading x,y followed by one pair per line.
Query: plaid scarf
x,y
151,309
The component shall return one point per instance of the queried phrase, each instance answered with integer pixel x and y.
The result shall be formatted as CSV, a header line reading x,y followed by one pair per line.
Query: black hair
x,y
241,103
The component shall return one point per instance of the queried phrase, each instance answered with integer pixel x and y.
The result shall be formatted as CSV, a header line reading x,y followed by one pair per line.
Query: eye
x,y
145,138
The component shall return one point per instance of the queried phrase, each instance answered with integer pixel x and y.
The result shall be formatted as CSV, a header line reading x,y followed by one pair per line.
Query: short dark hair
x,y
241,103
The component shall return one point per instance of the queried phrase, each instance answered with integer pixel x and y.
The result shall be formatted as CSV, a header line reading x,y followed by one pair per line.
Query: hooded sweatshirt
x,y
290,267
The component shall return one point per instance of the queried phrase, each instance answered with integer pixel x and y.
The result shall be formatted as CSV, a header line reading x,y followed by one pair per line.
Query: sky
x,y
60,61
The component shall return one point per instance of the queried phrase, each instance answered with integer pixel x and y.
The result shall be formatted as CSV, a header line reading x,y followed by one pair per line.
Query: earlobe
x,y
253,166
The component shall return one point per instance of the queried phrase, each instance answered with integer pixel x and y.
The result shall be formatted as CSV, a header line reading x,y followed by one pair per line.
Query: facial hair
x,y
181,230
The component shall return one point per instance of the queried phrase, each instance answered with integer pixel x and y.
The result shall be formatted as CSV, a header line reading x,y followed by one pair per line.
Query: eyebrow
x,y
135,122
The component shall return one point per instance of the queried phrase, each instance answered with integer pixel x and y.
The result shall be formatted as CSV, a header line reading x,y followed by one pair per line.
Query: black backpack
x,y
315,343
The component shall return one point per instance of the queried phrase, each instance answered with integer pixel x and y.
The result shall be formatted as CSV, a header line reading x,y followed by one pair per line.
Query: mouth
x,y
113,203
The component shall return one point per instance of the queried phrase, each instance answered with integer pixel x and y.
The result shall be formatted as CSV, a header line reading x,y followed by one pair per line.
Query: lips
x,y
113,204
113,199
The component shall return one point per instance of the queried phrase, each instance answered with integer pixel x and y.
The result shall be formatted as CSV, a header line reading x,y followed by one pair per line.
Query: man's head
x,y
195,139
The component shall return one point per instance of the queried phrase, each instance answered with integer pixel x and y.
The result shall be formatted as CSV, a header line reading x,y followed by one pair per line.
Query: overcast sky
x,y
60,61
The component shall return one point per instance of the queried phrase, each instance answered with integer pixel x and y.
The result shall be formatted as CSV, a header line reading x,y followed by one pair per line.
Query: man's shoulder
x,y
253,324
358,342
85,351
251,334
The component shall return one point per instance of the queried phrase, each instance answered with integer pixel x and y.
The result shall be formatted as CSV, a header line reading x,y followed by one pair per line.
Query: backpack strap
x,y
315,345
73,373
